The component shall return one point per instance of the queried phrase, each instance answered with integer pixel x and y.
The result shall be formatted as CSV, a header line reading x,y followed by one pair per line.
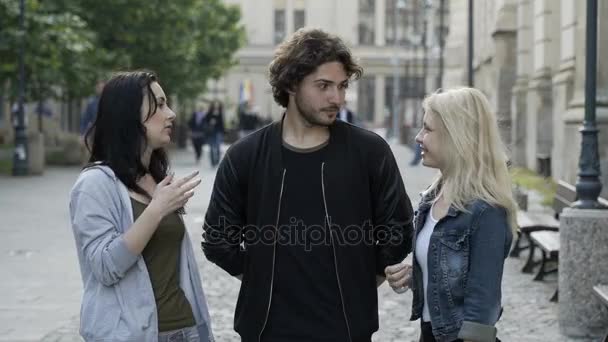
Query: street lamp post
x,y
441,41
398,4
588,185
470,77
20,156
425,48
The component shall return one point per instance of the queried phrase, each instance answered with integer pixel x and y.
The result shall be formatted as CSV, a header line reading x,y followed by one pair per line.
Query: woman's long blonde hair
x,y
473,155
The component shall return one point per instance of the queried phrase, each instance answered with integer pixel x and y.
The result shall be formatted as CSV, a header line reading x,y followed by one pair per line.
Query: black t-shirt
x,y
306,304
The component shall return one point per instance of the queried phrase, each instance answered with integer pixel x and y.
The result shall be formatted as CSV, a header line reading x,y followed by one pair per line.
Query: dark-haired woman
x,y
141,281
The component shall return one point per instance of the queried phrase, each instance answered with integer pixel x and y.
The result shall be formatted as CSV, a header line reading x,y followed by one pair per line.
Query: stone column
x,y
505,61
519,115
546,43
289,21
379,111
380,22
582,264
563,89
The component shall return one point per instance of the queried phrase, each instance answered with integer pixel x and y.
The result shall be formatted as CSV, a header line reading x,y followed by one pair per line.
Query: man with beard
x,y
309,210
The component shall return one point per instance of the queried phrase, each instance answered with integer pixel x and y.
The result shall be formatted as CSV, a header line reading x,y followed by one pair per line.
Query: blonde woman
x,y
464,224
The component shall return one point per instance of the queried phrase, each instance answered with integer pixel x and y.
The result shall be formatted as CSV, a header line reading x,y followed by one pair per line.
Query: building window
x,y
367,22
366,87
279,25
280,21
299,19
299,15
407,29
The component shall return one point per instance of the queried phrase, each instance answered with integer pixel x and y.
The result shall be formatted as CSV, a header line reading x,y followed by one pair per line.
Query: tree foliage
x,y
71,43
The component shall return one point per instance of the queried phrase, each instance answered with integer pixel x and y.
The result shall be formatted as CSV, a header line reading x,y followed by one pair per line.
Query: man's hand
x,y
399,276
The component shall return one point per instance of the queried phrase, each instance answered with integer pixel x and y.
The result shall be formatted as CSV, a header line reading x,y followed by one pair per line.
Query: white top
x,y
422,249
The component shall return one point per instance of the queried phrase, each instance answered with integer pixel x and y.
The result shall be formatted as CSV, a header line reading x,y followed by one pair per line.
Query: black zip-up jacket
x,y
363,192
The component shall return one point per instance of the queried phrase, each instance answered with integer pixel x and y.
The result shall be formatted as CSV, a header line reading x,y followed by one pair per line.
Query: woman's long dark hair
x,y
117,138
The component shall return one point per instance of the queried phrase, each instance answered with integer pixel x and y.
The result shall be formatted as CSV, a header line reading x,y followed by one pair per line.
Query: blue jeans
x,y
189,334
417,154
214,142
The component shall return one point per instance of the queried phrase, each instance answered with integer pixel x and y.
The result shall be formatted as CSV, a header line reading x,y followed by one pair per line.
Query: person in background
x,y
417,154
90,112
214,128
346,114
465,221
196,125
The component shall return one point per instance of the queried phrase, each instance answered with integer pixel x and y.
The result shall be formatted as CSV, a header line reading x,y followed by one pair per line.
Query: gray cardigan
x,y
118,302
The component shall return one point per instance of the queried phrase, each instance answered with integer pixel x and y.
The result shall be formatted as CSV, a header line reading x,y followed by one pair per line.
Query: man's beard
x,y
311,116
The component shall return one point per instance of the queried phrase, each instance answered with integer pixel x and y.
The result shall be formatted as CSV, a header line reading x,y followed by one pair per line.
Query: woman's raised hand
x,y
171,195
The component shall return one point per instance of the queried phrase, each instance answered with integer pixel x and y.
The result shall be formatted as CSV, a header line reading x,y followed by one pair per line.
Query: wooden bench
x,y
542,232
602,292
528,223
548,242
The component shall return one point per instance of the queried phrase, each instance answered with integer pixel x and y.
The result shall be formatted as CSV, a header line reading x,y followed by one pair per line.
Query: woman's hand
x,y
170,196
399,276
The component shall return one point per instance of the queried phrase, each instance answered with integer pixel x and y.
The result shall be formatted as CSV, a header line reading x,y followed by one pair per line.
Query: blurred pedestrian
x,y
196,124
417,154
309,210
140,276
90,112
248,119
346,115
214,128
466,218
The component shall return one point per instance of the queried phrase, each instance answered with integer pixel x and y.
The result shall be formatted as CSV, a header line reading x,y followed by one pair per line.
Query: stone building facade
x,y
529,58
367,26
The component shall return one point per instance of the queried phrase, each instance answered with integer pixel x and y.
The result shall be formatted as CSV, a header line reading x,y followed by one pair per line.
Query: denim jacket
x,y
118,301
465,264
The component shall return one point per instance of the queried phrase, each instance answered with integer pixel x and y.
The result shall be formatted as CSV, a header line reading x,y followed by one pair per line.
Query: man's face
x,y
320,95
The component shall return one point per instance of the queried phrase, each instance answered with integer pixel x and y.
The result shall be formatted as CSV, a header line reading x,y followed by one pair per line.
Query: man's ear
x,y
291,90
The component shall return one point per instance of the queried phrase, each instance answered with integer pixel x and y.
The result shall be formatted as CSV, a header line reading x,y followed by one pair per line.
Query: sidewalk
x,y
40,294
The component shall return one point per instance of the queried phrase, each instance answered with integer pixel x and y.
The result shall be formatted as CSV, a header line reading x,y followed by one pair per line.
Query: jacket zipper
x,y
333,246
274,254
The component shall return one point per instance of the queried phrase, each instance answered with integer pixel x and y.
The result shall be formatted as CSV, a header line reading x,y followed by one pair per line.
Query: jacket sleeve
x,y
483,289
222,230
392,212
98,240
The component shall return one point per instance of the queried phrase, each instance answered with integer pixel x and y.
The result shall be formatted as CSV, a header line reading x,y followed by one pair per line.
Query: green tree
x,y
185,41
52,36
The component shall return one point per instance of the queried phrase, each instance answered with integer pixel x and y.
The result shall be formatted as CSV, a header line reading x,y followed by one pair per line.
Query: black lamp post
x,y
20,156
441,41
470,78
588,185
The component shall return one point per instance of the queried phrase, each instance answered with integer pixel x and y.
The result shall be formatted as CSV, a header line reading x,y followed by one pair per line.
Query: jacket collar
x,y
336,139
426,203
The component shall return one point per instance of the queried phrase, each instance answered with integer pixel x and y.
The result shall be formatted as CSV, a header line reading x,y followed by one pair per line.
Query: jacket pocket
x,y
453,263
99,323
453,240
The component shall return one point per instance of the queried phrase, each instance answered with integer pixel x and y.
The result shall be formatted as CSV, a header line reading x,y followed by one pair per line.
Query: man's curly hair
x,y
301,55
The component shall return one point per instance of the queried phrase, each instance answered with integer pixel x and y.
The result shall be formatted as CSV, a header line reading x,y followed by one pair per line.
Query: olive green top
x,y
161,255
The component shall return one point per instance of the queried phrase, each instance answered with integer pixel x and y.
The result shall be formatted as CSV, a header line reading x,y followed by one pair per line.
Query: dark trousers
x,y
426,333
198,143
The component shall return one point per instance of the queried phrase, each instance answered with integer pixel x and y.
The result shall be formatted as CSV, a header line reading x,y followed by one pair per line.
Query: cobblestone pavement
x,y
39,300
